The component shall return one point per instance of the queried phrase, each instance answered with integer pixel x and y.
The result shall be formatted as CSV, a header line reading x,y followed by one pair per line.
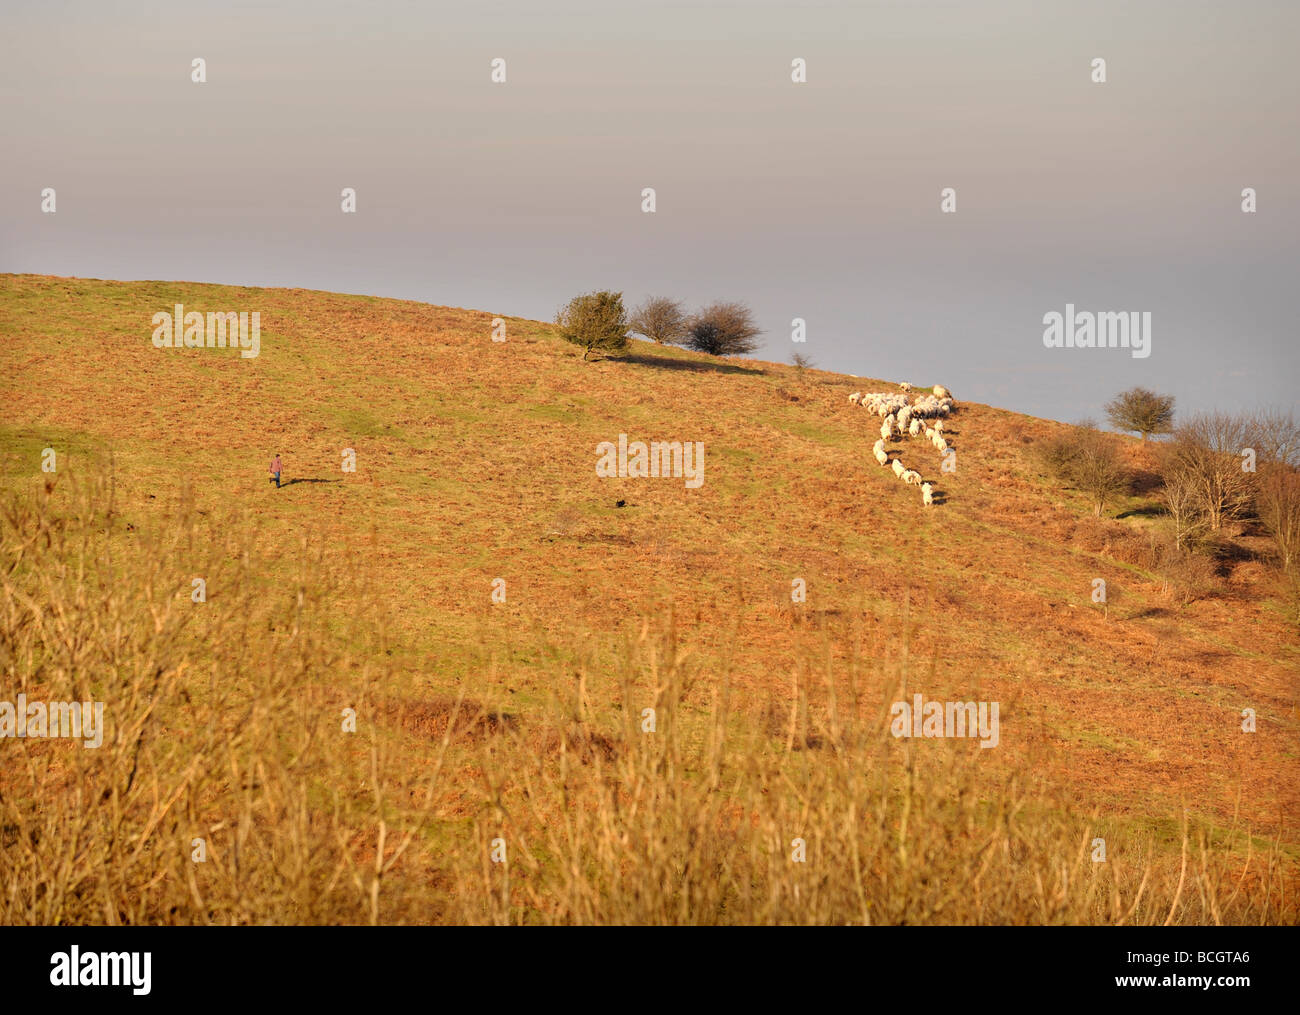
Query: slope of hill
x,y
475,461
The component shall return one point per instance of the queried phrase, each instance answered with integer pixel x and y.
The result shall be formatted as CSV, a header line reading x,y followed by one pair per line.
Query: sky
x,y
818,200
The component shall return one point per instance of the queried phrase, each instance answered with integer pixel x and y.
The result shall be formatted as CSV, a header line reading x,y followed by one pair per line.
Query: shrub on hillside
x,y
1056,455
1135,548
595,321
1093,535
1185,575
1087,460
723,329
1116,540
1193,576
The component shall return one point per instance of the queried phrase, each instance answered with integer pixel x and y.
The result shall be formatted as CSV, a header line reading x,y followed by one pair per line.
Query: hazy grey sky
x,y
817,200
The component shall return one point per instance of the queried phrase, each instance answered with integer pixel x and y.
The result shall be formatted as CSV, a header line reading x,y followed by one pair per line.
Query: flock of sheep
x,y
908,419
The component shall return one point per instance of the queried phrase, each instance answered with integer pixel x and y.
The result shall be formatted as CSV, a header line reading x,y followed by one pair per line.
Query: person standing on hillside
x,y
275,469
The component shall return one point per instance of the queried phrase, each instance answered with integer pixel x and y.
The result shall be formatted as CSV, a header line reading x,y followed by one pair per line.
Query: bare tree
x,y
1278,506
723,329
801,360
1183,503
1207,451
1142,411
660,319
1275,436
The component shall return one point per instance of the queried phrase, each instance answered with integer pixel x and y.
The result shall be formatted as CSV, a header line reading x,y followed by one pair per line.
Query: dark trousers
x,y
276,477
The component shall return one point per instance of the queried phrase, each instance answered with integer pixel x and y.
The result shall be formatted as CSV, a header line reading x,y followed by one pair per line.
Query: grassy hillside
x,y
521,720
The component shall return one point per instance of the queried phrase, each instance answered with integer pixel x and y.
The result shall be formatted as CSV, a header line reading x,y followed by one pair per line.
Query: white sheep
x,y
882,403
909,414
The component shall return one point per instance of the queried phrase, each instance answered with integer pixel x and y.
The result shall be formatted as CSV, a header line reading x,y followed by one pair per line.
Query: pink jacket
x,y
275,465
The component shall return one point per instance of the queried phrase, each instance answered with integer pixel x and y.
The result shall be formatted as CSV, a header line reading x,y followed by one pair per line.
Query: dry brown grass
x,y
602,822
522,720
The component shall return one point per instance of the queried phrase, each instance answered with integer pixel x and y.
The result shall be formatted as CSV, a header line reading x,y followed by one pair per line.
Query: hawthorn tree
x,y
661,320
1140,410
723,329
595,321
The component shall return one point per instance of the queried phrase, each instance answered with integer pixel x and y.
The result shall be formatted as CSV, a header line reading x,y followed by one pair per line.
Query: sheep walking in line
x,y
922,417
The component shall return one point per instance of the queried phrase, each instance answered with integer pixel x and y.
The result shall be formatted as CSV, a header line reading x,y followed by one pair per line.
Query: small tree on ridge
x,y
1140,410
596,321
723,329
661,320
